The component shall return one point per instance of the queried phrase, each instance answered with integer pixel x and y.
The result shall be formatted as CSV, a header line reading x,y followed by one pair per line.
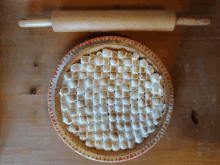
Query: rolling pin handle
x,y
193,21
35,22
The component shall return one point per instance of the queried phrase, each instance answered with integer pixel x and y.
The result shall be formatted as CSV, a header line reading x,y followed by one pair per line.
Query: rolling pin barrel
x,y
110,20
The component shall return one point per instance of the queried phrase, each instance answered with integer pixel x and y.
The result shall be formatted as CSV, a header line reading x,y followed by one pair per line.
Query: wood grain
x,y
190,54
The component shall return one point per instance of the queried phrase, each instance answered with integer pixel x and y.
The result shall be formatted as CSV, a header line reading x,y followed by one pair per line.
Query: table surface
x,y
29,56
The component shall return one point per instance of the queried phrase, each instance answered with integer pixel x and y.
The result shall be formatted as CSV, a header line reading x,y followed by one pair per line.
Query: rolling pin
x,y
111,20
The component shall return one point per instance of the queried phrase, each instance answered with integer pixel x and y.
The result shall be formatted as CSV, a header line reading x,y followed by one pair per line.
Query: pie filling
x,y
112,100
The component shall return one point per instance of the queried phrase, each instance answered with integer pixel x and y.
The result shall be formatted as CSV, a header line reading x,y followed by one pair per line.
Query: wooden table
x,y
29,57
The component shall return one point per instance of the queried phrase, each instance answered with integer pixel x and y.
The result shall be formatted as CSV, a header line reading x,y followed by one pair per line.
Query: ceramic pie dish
x,y
55,101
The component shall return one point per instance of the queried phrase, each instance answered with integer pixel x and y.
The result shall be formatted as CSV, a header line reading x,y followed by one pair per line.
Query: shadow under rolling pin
x,y
112,20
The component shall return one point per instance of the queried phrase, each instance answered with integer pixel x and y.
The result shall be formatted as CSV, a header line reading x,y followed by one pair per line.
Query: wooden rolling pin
x,y
110,20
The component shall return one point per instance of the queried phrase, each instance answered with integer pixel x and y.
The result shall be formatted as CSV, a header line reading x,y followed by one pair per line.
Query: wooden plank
x,y
28,58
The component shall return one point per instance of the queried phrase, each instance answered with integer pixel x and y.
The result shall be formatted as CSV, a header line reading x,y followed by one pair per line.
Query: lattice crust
x,y
112,100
